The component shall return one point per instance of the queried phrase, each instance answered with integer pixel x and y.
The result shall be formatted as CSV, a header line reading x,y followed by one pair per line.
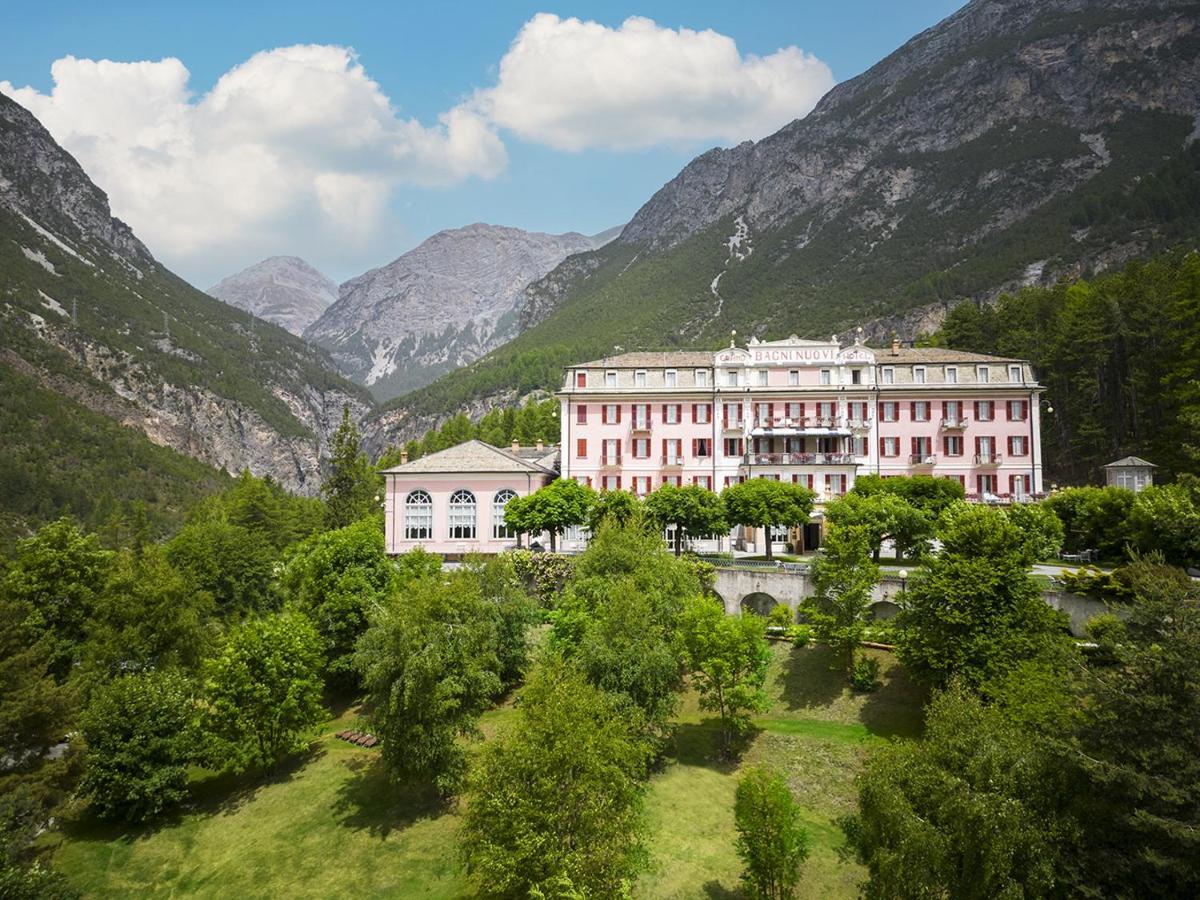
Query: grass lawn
x,y
333,825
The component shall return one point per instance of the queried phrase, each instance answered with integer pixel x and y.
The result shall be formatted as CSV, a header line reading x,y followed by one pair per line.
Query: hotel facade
x,y
809,412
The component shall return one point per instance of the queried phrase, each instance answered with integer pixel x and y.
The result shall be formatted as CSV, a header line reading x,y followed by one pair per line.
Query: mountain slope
x,y
1015,142
284,290
88,312
440,306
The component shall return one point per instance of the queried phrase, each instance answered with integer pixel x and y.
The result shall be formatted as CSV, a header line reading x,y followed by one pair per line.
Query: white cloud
x,y
295,150
573,85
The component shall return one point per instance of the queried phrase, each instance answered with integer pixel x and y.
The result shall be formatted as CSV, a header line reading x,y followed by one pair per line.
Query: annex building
x,y
812,412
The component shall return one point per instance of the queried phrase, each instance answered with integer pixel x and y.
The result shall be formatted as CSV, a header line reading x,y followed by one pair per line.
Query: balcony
x,y
860,424
988,459
953,423
610,462
671,462
923,460
640,426
799,459
809,425
738,426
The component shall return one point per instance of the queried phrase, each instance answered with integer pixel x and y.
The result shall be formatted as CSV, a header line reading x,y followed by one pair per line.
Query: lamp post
x,y
903,583
1042,403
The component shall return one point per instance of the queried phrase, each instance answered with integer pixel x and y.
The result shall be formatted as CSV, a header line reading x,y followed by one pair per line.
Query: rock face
x,y
281,289
959,165
439,306
87,310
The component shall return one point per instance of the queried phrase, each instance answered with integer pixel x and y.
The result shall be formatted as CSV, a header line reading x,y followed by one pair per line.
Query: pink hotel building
x,y
810,412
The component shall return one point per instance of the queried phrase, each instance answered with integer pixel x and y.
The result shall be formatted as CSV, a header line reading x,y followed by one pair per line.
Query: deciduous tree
x,y
554,508
693,510
763,503
772,842
843,577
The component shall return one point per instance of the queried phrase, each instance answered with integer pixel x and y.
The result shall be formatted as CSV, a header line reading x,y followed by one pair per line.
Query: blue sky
x,y
426,59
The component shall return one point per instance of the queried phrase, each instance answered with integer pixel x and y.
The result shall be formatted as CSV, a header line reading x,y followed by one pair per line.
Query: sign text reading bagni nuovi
x,y
795,354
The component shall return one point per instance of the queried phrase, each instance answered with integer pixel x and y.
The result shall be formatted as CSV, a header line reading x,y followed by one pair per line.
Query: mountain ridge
x,y
285,290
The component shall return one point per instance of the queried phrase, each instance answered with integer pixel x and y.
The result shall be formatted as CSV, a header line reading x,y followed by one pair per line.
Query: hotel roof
x,y
477,456
932,355
654,359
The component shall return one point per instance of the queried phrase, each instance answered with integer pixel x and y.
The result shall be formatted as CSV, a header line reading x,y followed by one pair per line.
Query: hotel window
x,y
1018,445
581,448
671,413
500,531
952,445
779,533
673,480
835,485
1018,486
702,447
951,374
418,516
889,446
641,448
887,411
641,485
985,410
584,479
952,412
733,415
856,376
795,411
734,446
581,379
1014,374
922,448
731,378
705,481
762,376
701,413
639,378
981,374
794,377
702,378
610,414
920,411
611,482
986,483
919,374
1018,411
826,409
610,379
858,446
734,479
985,449
462,515
889,375
672,451
581,414
826,376
610,453
670,377
762,414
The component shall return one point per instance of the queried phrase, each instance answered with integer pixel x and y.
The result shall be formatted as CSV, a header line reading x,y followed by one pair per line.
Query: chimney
x,y
516,446
403,457
895,346
540,446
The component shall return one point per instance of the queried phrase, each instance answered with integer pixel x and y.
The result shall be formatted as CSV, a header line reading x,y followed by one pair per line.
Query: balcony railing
x,y
858,424
610,462
922,459
988,459
799,459
808,423
737,425
670,460
989,497
641,426
954,423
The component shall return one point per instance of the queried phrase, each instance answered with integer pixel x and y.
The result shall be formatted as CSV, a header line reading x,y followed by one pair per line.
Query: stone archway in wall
x,y
758,603
884,609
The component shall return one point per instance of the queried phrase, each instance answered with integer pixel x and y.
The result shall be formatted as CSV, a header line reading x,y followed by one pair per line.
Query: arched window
x,y
500,531
418,516
462,515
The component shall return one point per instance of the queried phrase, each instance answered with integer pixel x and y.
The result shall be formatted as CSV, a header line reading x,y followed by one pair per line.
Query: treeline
x,y
1119,356
536,421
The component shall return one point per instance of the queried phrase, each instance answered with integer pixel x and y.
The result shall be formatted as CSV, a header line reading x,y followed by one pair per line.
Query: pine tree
x,y
351,490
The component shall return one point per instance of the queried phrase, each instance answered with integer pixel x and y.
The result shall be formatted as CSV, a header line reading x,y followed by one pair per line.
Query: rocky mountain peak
x,y
285,290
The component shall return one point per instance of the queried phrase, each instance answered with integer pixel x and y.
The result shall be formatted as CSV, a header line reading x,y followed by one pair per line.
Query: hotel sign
x,y
794,354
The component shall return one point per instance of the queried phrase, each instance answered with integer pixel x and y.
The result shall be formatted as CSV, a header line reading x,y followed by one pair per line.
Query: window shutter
x,y
978,445
883,446
618,413
694,417
977,409
581,448
619,450
1008,410
724,415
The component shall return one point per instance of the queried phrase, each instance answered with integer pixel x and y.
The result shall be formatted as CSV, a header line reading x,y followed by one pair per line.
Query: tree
x,y
619,506
351,491
1039,527
1136,747
146,616
55,575
843,577
762,503
512,611
232,564
264,689
618,618
924,492
973,610
974,810
1166,518
554,508
554,805
1094,518
140,735
883,515
693,510
335,578
728,658
429,663
772,842
265,509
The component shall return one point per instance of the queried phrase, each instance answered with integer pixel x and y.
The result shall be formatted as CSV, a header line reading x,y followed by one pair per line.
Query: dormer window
x,y
610,379
951,374
918,374
827,376
889,375
671,377
731,378
982,375
581,379
856,376
639,378
762,376
794,377
702,378
1014,374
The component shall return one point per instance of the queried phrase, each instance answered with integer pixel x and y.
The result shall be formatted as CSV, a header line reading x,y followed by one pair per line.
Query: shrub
x,y
800,635
772,842
781,616
544,574
864,674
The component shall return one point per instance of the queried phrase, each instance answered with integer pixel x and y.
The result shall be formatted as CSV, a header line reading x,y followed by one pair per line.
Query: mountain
x,y
439,306
1015,142
89,315
281,289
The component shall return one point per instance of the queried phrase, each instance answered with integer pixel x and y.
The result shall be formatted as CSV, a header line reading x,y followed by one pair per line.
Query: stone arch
x,y
884,609
758,602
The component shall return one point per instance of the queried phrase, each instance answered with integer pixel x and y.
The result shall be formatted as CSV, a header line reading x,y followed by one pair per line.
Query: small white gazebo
x,y
1132,472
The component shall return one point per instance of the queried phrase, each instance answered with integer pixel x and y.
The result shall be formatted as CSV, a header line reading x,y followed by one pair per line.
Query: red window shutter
x,y
1008,410
581,448
693,413
664,412
618,450
724,415
618,414
945,410
802,414
618,482
580,379
1010,445
976,409
1012,484
916,445
664,448
810,482
771,411
883,447
978,444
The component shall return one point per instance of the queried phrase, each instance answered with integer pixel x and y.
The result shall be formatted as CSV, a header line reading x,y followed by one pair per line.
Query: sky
x,y
348,133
